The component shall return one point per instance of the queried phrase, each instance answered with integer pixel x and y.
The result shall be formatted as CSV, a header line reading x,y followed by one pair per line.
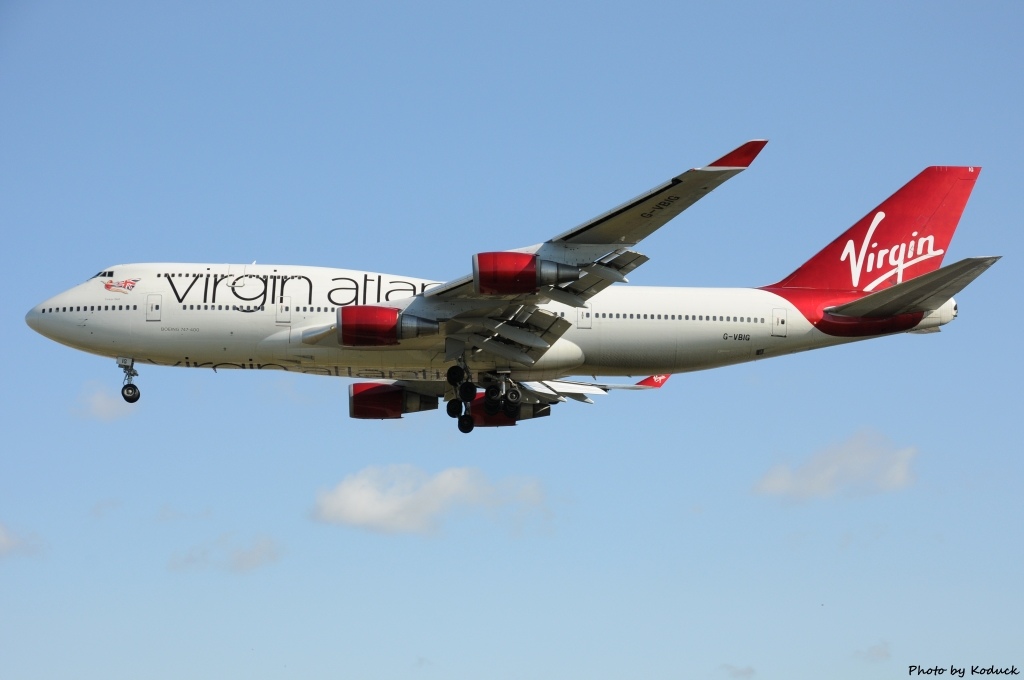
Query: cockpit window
x,y
104,274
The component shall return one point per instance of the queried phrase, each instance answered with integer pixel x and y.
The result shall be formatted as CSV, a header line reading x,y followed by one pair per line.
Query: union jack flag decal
x,y
121,286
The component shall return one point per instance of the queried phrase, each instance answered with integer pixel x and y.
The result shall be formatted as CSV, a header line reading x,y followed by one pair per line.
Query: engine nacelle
x,y
526,411
381,401
372,326
506,273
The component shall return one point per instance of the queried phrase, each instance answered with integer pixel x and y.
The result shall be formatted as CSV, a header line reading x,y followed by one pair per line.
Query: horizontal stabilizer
x,y
925,293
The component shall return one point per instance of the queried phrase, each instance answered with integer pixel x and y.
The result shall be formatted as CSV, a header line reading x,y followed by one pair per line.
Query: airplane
x,y
501,344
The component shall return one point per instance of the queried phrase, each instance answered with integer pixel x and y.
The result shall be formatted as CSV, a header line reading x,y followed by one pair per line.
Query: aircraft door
x,y
236,275
284,309
153,306
583,319
779,323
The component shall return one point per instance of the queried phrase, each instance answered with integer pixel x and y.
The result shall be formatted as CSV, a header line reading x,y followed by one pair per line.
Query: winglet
x,y
654,381
741,157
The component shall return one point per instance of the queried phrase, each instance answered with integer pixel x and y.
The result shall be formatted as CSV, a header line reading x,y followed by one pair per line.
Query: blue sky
x,y
845,513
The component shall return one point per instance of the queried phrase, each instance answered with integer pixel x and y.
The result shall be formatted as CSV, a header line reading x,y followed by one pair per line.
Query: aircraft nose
x,y
32,319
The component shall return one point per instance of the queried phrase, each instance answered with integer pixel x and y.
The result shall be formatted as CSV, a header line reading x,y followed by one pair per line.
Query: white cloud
x,y
102,403
101,509
197,557
867,462
263,551
223,554
169,513
405,499
12,544
879,652
738,673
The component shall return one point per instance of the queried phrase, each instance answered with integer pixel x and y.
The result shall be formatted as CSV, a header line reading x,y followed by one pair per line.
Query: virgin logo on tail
x,y
899,257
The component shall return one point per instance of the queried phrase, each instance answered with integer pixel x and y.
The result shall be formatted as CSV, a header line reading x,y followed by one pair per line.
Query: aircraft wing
x,y
548,391
637,219
611,235
507,321
541,391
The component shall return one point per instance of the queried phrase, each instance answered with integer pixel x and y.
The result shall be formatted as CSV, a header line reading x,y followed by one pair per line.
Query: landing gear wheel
x,y
492,408
466,424
129,391
493,394
456,375
467,392
511,409
454,408
514,396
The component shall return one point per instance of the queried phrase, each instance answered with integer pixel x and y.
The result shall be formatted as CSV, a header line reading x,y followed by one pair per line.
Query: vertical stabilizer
x,y
904,237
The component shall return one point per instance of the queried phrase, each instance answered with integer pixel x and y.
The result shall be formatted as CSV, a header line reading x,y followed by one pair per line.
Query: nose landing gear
x,y
129,391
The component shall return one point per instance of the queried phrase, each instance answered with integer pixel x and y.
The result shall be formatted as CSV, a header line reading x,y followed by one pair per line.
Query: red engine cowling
x,y
506,273
381,401
372,326
526,411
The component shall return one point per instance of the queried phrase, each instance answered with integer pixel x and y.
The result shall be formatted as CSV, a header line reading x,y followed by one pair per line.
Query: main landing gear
x,y
502,396
129,391
465,390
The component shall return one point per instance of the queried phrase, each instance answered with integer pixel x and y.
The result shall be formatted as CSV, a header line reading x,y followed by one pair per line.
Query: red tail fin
x,y
906,236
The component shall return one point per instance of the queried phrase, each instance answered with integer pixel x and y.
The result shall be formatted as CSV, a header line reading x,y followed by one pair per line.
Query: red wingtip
x,y
654,381
741,157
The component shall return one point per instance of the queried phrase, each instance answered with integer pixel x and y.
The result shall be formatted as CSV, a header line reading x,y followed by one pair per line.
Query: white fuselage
x,y
280,317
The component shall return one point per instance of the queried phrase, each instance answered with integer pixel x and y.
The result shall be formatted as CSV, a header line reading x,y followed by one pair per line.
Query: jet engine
x,y
506,273
372,326
382,401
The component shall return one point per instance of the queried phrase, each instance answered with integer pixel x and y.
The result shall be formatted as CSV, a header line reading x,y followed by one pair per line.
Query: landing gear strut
x,y
129,391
